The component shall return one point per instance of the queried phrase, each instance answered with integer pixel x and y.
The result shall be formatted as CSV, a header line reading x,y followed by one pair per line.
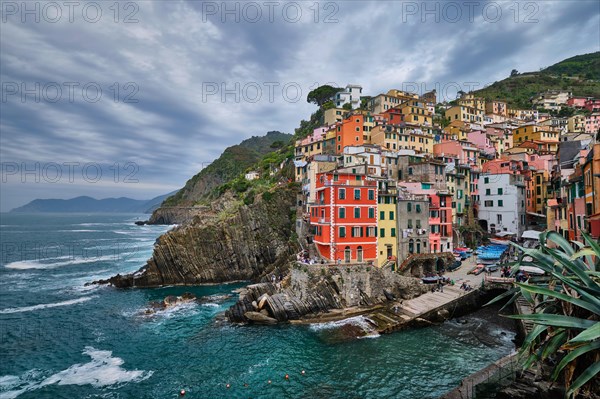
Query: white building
x,y
552,99
502,203
252,175
350,95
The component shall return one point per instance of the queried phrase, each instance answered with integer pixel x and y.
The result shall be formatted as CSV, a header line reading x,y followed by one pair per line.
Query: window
x,y
381,215
410,171
357,232
371,194
488,191
357,193
418,208
342,231
488,203
341,193
409,207
393,233
371,213
391,215
381,233
500,203
357,213
486,180
342,213
418,224
499,218
499,190
409,224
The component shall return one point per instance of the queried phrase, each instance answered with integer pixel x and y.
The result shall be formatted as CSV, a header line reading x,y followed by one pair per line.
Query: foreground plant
x,y
566,310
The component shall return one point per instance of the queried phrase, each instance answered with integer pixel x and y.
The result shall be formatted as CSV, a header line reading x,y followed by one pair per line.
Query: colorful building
x,y
344,217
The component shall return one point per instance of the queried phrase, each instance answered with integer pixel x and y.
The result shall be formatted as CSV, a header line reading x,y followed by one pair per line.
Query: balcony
x,y
351,183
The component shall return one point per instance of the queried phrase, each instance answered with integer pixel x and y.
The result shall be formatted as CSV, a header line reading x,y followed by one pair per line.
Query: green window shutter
x,y
393,232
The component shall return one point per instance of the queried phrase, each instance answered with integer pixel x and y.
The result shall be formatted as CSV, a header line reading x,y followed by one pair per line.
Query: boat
x,y
492,268
477,270
430,280
455,265
502,238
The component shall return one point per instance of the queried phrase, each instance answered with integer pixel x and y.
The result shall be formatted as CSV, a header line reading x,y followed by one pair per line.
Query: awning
x,y
505,233
531,235
531,269
539,215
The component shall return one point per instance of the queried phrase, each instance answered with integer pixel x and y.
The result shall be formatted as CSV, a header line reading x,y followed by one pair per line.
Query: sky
x,y
132,98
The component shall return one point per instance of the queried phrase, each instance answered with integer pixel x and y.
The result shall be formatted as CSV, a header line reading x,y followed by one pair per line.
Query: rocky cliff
x,y
314,289
227,241
182,206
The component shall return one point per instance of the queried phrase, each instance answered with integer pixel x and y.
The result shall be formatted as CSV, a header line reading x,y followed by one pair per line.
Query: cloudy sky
x,y
133,99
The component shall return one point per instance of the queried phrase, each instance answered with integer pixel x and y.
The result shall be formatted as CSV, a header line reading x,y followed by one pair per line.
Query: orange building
x,y
350,132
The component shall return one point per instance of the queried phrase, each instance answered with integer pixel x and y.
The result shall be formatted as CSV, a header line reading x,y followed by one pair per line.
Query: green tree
x,y
322,94
566,310
514,72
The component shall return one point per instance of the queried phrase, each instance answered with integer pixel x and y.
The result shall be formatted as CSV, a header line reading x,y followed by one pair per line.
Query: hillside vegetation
x,y
232,163
579,74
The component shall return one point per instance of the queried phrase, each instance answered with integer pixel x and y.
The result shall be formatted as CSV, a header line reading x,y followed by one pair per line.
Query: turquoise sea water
x,y
59,339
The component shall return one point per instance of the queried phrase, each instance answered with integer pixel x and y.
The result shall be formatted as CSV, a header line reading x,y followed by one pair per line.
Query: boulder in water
x,y
259,318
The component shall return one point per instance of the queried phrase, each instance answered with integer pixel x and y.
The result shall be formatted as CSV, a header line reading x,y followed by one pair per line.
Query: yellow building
x,y
457,130
408,137
387,230
465,114
416,112
333,115
576,124
534,132
469,100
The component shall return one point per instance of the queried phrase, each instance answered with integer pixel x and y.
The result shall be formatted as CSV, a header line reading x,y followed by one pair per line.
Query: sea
x,y
62,339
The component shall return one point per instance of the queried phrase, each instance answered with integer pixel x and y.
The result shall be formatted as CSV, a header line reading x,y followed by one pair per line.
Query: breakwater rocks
x,y
310,290
230,242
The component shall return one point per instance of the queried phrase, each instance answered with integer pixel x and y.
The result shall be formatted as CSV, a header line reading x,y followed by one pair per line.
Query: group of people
x,y
305,258
465,286
505,271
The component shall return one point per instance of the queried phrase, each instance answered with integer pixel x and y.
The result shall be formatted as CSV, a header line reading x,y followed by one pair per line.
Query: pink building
x,y
592,123
576,102
466,155
592,105
481,140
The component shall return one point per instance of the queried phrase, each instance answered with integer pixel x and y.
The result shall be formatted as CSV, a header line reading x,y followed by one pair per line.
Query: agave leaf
x,y
505,294
555,342
588,334
577,268
587,375
582,253
535,332
573,355
595,246
560,241
555,320
592,306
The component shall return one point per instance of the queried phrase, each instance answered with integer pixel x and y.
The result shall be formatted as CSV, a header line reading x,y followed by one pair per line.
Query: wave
x,y
103,370
358,321
47,305
78,260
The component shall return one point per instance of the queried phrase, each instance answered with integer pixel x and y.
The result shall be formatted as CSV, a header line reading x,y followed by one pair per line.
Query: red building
x,y
344,217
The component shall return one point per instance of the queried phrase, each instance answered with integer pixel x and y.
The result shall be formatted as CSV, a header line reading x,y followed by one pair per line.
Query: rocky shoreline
x,y
228,242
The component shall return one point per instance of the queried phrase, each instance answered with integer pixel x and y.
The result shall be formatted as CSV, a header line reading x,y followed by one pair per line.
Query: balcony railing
x,y
354,183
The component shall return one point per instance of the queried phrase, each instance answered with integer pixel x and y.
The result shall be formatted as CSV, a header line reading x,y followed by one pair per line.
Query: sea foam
x,y
103,370
47,305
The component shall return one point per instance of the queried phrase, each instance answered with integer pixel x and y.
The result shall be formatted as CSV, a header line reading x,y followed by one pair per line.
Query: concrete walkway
x,y
432,300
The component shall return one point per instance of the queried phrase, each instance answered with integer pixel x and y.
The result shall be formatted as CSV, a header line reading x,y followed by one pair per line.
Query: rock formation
x,y
229,242
310,290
